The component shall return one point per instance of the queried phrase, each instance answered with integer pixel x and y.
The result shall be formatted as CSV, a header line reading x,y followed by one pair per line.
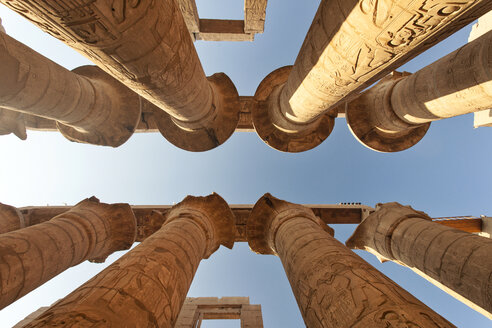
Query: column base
x,y
122,121
292,142
216,130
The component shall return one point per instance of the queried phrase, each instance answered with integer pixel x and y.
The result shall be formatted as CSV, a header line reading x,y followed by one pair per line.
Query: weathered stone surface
x,y
145,45
33,255
353,43
456,259
395,114
2,29
254,15
11,219
88,105
148,285
333,286
284,137
196,309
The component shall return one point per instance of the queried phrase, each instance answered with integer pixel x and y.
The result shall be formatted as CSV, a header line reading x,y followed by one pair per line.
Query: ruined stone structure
x,y
148,78
197,309
350,45
457,260
333,286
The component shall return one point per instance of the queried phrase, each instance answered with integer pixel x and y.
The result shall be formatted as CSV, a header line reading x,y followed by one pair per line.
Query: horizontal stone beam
x,y
150,217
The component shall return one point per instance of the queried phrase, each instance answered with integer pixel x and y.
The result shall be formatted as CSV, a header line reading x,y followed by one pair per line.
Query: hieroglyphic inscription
x,y
351,43
333,286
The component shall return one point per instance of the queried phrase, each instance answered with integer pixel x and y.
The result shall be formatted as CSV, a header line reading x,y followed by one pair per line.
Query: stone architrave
x,y
350,45
11,219
31,256
147,286
88,104
146,46
457,261
333,286
395,114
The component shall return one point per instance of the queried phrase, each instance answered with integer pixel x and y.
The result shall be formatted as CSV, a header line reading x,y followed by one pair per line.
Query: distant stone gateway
x,y
148,77
334,287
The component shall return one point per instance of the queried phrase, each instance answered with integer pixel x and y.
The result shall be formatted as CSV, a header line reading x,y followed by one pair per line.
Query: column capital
x,y
10,218
374,233
268,214
120,218
278,131
372,121
214,216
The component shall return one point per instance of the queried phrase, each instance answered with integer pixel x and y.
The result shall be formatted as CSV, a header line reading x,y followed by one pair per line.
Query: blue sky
x,y
448,173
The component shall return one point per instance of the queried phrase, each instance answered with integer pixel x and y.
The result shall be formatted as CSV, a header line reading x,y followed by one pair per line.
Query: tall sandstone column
x,y
146,45
351,44
457,261
333,286
148,285
88,104
31,256
395,114
11,219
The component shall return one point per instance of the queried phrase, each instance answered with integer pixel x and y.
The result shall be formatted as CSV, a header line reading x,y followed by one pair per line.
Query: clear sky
x,y
447,174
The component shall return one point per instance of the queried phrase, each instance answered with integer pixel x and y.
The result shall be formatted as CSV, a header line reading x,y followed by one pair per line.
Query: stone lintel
x,y
267,216
197,309
223,30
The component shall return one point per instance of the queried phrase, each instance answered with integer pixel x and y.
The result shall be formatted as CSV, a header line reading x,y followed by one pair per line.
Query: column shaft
x,y
456,259
457,84
95,105
146,45
395,114
148,285
351,43
89,231
333,286
11,219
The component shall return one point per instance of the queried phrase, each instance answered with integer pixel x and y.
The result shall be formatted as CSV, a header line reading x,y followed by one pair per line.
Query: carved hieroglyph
x,y
394,115
458,260
333,286
88,104
148,285
11,219
89,231
351,44
146,45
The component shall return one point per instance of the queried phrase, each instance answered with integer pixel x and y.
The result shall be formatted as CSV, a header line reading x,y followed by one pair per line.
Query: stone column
x,y
148,285
88,104
395,114
456,260
146,45
10,219
333,286
351,44
91,231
